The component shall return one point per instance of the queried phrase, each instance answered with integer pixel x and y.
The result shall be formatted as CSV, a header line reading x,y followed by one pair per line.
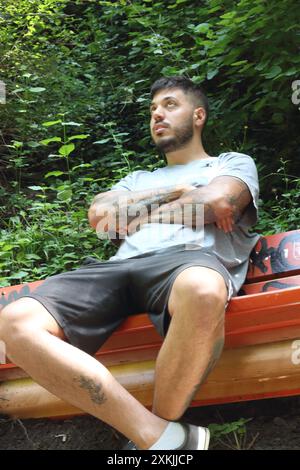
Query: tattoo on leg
x,y
95,390
216,353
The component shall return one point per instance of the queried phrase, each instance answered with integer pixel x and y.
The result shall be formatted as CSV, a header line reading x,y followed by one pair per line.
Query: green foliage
x,y
282,212
76,120
231,435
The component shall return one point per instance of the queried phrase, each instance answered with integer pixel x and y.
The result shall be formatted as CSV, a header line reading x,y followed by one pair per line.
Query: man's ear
x,y
199,116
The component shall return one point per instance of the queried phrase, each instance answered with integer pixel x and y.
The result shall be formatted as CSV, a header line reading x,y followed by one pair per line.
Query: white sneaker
x,y
197,438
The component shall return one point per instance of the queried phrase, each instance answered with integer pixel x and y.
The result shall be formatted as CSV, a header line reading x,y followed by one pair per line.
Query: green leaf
x,y
80,136
52,139
36,188
19,275
102,141
274,71
201,28
54,173
32,256
51,123
64,195
65,150
18,90
212,73
71,123
36,89
291,71
7,247
16,144
239,62
82,165
33,144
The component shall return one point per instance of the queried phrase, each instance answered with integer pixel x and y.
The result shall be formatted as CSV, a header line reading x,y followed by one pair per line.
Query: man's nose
x,y
158,114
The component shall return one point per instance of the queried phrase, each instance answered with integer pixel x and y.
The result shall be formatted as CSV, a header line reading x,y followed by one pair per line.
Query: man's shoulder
x,y
233,154
235,159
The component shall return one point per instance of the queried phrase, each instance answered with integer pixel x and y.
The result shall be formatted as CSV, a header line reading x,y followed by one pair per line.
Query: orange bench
x,y
261,358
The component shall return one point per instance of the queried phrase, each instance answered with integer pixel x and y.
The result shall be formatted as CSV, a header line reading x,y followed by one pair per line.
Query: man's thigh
x,y
88,303
153,278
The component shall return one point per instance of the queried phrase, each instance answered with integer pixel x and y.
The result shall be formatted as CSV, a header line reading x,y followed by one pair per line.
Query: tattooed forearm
x,y
137,199
223,201
131,204
94,389
213,202
238,201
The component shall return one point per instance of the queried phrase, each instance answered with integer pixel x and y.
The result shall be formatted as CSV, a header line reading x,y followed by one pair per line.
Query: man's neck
x,y
192,151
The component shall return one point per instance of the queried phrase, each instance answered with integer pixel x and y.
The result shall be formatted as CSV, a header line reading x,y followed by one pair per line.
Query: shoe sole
x,y
206,439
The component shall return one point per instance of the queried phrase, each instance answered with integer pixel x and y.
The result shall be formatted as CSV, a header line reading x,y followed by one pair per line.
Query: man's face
x,y
171,121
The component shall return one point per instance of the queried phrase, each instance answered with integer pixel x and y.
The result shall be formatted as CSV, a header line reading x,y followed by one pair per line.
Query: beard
x,y
182,136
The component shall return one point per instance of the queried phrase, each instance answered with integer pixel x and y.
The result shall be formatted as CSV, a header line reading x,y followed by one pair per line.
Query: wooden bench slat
x,y
249,373
271,285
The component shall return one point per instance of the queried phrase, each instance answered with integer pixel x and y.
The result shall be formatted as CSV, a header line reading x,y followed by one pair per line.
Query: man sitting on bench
x,y
183,272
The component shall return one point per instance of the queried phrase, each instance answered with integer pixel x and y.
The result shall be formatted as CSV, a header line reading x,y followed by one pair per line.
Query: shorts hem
x,y
164,321
57,317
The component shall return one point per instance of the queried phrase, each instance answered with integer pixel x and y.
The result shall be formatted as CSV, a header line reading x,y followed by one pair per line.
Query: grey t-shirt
x,y
233,248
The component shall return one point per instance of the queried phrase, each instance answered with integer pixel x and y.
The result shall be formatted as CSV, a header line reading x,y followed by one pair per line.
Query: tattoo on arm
x,y
238,202
132,204
224,197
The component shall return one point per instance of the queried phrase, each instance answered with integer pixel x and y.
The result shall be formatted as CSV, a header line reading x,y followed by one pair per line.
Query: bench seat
x,y
261,358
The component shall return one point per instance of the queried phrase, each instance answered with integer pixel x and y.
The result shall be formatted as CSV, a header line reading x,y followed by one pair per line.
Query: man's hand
x,y
223,202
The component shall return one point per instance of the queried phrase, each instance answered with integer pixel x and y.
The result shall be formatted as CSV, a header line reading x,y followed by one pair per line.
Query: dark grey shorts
x,y
90,302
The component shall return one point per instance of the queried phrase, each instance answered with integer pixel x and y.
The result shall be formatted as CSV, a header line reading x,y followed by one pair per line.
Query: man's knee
x,y
25,317
200,291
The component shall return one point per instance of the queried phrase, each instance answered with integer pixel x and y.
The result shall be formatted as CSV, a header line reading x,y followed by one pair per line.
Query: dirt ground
x,y
273,424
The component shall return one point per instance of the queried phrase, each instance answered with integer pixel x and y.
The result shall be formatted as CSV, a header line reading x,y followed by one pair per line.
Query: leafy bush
x,y
88,67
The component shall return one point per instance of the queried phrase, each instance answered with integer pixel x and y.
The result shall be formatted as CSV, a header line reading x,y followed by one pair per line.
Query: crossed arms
x,y
223,200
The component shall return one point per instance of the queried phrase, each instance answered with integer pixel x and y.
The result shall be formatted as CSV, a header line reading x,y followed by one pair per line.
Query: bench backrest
x,y
274,263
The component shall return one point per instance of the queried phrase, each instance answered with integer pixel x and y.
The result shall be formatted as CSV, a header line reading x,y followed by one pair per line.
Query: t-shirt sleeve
x,y
243,167
127,183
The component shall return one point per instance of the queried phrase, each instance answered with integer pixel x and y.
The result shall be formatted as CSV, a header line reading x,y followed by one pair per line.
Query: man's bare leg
x,y
194,341
34,342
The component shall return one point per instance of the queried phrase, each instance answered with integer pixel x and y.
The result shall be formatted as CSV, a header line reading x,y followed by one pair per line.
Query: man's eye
x,y
170,105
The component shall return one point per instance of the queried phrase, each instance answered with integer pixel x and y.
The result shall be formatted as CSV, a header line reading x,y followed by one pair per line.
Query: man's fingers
x,y
225,224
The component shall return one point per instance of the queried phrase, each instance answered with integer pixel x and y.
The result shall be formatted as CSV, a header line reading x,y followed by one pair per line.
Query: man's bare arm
x,y
223,200
132,202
